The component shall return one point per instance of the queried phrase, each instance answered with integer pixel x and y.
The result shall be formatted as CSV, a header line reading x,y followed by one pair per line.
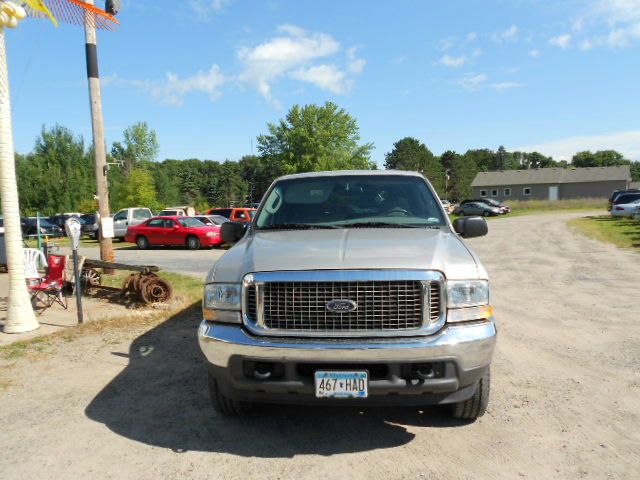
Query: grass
x,y
532,207
187,294
622,232
527,207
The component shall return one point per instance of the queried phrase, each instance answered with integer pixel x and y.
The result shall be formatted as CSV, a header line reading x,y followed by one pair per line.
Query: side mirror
x,y
231,232
469,227
176,226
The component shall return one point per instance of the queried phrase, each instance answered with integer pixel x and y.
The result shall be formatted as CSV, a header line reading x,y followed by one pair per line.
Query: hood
x,y
345,249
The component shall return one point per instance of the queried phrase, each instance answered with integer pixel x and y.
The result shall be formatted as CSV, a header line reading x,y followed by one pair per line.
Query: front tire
x,y
461,213
193,243
142,242
485,214
476,406
223,404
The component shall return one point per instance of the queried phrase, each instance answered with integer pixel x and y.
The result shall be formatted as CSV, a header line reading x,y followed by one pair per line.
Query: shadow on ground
x,y
161,399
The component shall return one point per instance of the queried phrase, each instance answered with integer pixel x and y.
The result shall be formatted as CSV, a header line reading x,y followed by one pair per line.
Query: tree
x,y
140,189
411,154
140,144
314,138
57,175
601,158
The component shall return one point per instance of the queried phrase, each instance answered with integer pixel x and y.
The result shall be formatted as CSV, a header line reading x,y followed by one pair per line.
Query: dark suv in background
x,y
89,225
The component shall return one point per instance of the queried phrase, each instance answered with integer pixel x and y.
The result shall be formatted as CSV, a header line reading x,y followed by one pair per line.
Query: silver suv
x,y
349,287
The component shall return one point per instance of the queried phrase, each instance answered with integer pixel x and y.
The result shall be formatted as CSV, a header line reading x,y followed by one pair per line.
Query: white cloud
x,y
506,85
626,142
327,77
173,89
453,62
400,59
293,54
446,43
471,36
473,82
563,41
535,53
608,23
206,9
355,65
509,34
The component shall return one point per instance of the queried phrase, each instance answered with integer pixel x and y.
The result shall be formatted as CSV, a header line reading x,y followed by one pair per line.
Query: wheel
x,y
475,406
485,213
96,235
154,289
91,278
193,242
461,213
224,405
142,242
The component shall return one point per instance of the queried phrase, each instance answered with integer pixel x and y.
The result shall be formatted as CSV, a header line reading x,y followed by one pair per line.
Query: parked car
x,y
476,208
624,199
29,228
60,219
2,225
616,193
212,219
243,215
129,217
174,230
492,202
322,303
90,225
178,211
448,206
625,209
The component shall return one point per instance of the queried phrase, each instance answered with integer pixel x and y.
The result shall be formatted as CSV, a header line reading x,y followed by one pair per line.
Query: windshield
x,y
351,201
190,222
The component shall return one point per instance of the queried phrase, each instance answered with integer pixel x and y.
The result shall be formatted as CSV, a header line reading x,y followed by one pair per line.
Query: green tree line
x,y
58,174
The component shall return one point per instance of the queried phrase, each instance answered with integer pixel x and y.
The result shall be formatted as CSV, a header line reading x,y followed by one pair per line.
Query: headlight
x,y
467,293
468,300
212,234
222,302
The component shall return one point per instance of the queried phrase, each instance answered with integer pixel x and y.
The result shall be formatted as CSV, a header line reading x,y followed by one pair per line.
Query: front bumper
x,y
461,353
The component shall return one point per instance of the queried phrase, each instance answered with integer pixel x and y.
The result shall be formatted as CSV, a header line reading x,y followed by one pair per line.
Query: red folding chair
x,y
50,289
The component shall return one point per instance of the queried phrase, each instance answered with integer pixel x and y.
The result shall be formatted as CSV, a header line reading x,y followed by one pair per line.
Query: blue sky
x,y
208,75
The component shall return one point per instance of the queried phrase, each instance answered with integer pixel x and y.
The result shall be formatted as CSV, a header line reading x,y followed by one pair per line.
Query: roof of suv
x,y
342,173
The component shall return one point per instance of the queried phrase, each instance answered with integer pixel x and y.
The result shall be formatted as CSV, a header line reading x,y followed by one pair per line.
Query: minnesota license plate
x,y
342,384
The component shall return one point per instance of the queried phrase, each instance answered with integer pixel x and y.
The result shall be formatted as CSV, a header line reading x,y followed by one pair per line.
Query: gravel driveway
x,y
565,395
179,260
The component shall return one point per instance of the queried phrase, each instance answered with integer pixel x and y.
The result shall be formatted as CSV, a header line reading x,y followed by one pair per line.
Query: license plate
x,y
342,384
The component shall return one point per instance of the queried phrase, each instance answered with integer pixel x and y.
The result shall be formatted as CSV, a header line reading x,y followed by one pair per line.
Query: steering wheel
x,y
397,212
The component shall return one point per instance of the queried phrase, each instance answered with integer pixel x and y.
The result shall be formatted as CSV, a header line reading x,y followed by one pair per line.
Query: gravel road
x,y
565,395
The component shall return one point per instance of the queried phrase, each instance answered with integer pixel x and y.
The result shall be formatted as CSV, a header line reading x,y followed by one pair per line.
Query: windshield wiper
x,y
297,226
378,225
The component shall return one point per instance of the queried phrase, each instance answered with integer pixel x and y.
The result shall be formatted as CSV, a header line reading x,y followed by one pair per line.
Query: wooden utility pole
x,y
97,125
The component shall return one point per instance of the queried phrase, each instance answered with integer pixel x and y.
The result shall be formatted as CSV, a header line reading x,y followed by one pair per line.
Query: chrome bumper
x,y
470,345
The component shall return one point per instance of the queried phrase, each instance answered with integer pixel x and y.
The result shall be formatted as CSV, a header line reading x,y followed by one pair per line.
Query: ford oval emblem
x,y
341,306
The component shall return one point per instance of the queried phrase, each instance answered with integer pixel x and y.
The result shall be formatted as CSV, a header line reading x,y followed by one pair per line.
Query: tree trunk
x,y
20,316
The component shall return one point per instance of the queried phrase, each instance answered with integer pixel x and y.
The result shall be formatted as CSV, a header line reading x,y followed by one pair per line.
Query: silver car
x,y
349,288
476,208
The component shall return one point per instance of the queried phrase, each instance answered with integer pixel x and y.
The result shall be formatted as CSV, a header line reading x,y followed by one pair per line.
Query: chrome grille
x,y
434,301
382,305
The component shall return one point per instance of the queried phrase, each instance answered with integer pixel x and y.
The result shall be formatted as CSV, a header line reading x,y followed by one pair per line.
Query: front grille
x,y
381,305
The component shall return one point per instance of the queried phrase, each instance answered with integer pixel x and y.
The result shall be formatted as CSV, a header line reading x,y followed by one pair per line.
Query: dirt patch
x,y
565,395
